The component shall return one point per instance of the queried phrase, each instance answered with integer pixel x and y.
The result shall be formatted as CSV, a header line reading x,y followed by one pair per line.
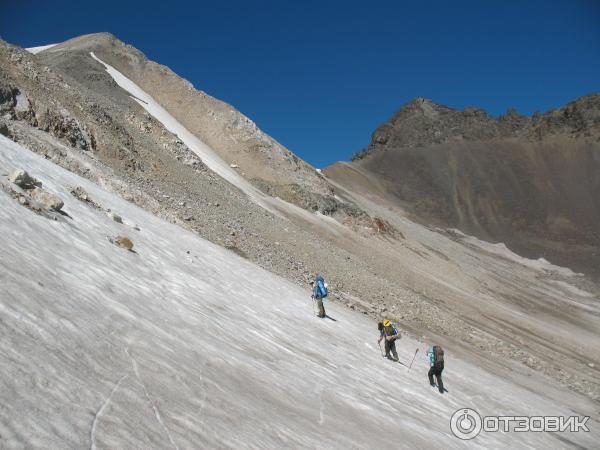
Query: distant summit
x,y
422,122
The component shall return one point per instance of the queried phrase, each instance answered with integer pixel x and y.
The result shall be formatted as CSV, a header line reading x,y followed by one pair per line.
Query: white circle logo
x,y
465,423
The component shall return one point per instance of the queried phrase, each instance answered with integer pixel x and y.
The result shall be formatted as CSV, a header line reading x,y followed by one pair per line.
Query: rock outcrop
x,y
28,192
46,199
23,179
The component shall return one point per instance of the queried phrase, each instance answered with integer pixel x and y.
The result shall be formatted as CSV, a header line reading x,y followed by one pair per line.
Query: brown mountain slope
x,y
234,137
532,183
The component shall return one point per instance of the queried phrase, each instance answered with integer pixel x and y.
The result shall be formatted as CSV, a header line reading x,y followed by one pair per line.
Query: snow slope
x,y
161,348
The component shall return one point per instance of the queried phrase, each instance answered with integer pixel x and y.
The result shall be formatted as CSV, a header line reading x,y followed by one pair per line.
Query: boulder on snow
x,y
80,194
123,242
23,179
115,217
47,200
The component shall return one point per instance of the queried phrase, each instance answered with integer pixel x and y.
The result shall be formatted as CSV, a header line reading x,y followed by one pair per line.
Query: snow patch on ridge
x,y
41,48
502,250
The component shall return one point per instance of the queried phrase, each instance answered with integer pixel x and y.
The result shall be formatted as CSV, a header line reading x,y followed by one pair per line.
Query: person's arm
x,y
390,337
380,336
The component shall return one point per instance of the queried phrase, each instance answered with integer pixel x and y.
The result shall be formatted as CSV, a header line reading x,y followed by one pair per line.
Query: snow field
x,y
105,348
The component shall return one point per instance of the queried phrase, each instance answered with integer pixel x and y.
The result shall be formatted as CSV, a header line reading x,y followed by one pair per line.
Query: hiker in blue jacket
x,y
436,363
319,292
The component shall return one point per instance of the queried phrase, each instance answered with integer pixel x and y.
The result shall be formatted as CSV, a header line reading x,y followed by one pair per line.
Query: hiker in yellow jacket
x,y
388,332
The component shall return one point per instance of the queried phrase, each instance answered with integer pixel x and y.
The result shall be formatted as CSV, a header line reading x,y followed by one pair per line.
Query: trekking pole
x,y
312,300
413,360
379,342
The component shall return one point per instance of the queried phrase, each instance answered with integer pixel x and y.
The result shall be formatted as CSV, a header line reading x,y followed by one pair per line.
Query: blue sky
x,y
320,76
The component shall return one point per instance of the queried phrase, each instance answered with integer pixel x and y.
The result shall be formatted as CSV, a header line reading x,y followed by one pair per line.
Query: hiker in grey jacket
x,y
389,333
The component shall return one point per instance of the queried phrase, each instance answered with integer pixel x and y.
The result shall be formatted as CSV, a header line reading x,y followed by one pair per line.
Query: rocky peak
x,y
581,115
421,123
419,108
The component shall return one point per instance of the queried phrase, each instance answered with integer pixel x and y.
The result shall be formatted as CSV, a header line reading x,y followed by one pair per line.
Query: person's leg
x,y
393,348
430,375
321,308
438,377
387,348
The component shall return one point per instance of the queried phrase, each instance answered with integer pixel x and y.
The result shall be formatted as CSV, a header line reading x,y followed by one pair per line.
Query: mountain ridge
x,y
422,122
253,151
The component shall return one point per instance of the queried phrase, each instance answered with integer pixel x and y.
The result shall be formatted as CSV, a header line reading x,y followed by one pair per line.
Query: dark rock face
x,y
532,183
42,114
421,123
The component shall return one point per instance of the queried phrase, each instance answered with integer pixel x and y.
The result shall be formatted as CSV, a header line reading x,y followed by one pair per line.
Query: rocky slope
x,y
530,182
231,134
499,308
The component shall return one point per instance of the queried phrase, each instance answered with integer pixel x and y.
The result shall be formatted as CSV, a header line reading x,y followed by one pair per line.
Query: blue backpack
x,y
321,291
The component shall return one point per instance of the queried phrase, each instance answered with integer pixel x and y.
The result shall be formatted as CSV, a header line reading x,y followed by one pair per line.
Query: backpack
x,y
321,288
438,354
